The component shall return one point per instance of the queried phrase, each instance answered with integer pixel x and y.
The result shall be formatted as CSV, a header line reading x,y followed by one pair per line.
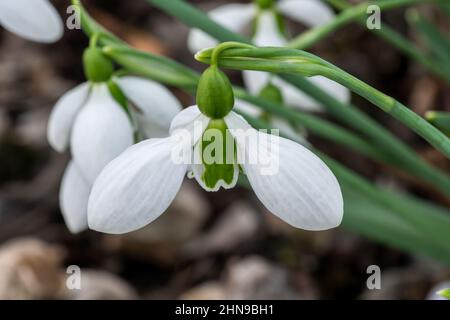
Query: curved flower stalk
x,y
212,144
35,20
268,31
96,128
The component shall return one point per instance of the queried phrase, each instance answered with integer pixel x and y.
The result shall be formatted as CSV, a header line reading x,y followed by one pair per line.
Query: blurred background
x,y
207,245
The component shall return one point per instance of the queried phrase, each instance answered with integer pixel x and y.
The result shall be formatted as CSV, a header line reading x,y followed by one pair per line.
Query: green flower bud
x,y
97,67
215,97
264,4
271,93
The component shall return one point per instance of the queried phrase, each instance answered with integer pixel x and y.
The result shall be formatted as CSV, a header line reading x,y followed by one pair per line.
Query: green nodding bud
x,y
97,67
264,4
215,97
271,93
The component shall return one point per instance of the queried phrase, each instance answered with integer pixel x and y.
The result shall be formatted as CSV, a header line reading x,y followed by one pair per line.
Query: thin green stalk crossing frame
x,y
351,14
400,42
281,60
416,226
346,113
401,206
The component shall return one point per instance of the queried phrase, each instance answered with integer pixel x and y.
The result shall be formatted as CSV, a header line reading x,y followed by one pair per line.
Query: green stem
x,y
312,36
409,223
389,105
293,61
391,228
400,42
224,46
194,17
167,71
316,126
436,42
346,113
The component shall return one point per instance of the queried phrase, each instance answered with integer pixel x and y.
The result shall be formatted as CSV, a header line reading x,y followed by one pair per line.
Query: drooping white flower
x,y
267,33
138,186
96,128
35,20
435,292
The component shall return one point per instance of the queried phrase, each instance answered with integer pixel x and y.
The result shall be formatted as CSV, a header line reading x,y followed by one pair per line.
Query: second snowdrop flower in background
x,y
268,30
96,128
35,20
138,186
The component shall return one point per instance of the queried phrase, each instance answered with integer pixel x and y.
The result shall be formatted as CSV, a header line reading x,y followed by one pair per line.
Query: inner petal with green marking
x,y
217,153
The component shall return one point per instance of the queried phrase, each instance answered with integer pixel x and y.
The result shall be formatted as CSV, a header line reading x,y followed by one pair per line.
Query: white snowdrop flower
x,y
96,128
138,186
436,292
265,14
35,20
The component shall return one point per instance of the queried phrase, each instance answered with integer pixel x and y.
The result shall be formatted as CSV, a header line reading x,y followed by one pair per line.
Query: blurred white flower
x,y
138,186
267,32
35,20
436,292
97,129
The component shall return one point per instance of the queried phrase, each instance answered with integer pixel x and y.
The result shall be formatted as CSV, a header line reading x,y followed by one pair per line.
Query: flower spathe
x,y
96,128
35,20
138,186
267,33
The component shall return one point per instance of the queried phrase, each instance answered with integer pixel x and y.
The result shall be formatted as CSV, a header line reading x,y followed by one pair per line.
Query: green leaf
x,y
403,221
282,60
438,44
346,113
440,119
155,67
351,14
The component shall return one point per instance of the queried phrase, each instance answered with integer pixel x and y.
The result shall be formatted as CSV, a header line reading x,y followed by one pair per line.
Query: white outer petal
x,y
157,104
303,191
63,115
432,294
267,31
192,121
255,81
310,12
102,131
135,188
35,20
73,199
248,108
289,131
296,98
231,16
267,34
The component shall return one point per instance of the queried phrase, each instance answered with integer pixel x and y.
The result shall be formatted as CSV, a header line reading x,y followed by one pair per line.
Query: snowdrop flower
x,y
441,291
138,186
265,15
35,20
96,128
